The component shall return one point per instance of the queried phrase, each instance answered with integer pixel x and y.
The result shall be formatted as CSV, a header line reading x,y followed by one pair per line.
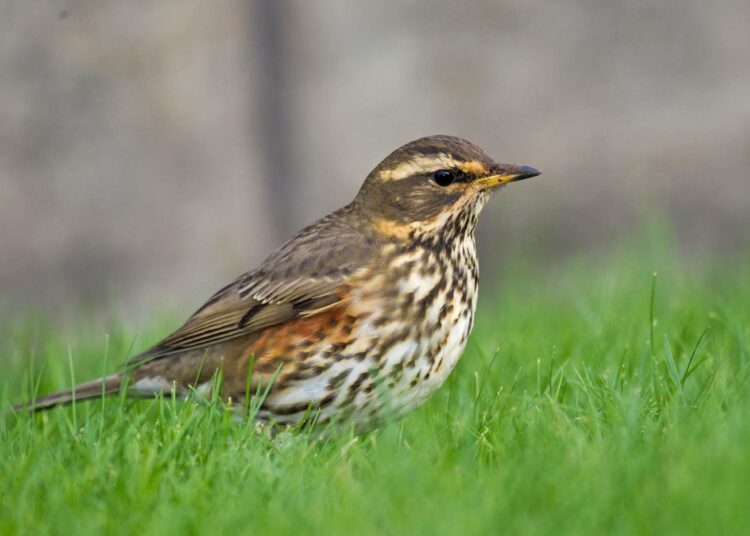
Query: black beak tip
x,y
526,172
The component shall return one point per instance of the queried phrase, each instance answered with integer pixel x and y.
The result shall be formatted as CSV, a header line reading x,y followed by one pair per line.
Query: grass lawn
x,y
596,399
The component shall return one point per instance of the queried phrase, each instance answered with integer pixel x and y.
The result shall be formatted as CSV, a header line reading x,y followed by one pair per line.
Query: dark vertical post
x,y
274,111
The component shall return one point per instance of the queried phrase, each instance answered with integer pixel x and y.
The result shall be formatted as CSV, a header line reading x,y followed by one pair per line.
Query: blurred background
x,y
152,151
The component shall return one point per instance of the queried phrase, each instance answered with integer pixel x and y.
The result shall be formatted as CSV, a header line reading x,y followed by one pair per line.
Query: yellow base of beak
x,y
517,173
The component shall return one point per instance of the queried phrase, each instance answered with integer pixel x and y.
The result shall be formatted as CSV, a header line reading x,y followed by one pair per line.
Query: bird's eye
x,y
444,177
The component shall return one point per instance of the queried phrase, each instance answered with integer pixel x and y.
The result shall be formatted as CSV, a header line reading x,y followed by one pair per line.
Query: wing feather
x,y
306,275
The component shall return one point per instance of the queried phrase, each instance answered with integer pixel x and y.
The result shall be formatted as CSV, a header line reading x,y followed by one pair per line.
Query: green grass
x,y
594,398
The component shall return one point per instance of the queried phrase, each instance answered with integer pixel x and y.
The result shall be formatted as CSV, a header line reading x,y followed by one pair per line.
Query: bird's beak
x,y
506,174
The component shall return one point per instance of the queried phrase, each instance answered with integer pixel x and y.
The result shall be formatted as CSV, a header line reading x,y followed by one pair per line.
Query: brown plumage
x,y
360,316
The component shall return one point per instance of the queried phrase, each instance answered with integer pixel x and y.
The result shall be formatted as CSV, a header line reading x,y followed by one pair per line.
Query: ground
x,y
594,397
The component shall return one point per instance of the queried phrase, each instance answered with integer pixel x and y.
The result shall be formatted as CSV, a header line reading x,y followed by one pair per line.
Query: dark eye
x,y
444,177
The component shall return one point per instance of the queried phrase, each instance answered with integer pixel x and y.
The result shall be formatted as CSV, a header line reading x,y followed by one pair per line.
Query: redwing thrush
x,y
361,315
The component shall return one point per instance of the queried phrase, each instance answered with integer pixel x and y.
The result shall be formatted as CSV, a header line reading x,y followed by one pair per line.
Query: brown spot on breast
x,y
354,387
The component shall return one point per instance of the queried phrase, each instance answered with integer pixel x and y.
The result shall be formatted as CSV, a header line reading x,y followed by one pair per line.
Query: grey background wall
x,y
150,151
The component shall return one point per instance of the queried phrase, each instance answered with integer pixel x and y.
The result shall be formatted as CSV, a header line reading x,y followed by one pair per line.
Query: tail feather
x,y
94,389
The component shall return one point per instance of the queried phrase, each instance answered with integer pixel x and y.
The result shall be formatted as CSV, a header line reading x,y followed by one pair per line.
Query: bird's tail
x,y
94,389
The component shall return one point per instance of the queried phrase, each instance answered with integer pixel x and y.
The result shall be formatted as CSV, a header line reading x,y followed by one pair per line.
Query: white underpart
x,y
309,390
152,385
204,389
399,353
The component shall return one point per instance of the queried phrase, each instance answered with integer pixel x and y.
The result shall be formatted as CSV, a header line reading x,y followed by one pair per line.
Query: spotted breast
x,y
408,325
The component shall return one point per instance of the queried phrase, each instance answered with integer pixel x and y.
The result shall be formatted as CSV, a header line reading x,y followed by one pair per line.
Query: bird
x,y
359,318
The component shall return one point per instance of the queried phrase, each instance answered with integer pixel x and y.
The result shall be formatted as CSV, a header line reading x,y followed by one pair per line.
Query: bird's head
x,y
431,183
